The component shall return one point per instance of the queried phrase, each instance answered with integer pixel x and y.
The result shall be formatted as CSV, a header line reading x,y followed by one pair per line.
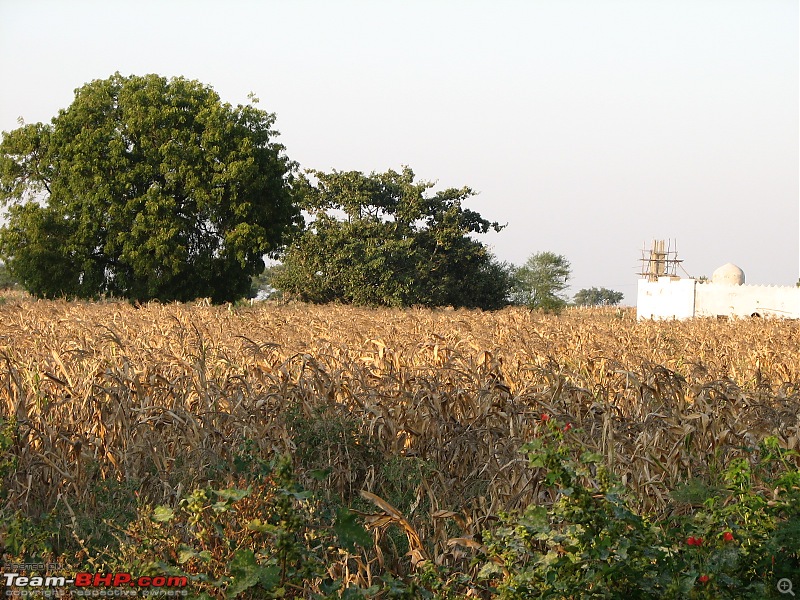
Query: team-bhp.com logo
x,y
94,585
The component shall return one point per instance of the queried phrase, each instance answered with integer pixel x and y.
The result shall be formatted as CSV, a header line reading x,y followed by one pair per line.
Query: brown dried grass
x,y
159,393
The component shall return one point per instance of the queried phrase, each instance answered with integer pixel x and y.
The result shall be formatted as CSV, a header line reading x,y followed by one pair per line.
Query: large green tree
x,y
541,281
144,188
384,239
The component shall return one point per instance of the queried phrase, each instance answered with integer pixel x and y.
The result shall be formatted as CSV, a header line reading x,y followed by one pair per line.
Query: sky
x,y
589,127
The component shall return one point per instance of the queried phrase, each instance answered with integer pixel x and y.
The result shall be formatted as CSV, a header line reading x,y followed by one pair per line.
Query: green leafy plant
x,y
269,539
589,543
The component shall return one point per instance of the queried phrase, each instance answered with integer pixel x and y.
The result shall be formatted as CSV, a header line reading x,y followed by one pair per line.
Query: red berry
x,y
727,536
703,578
545,417
693,541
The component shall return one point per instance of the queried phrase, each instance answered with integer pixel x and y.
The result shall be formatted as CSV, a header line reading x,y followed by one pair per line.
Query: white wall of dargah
x,y
676,298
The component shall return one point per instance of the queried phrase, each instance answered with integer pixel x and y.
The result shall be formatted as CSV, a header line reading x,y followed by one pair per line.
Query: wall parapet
x,y
673,298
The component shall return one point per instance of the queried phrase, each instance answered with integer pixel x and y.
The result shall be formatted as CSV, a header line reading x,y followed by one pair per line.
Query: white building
x,y
726,295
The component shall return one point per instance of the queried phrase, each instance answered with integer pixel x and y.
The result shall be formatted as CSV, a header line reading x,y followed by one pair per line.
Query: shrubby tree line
x,y
153,188
383,239
597,297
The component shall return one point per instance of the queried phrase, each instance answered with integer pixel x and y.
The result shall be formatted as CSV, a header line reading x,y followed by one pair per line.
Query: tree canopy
x,y
598,297
384,239
144,188
541,281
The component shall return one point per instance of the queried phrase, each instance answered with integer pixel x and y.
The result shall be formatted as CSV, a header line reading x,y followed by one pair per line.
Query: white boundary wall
x,y
673,298
666,298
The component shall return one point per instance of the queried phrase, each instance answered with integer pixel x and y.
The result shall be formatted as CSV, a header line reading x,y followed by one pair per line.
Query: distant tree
x,y
598,297
383,239
144,188
541,281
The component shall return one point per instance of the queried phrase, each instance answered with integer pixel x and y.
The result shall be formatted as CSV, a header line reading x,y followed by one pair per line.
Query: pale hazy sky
x,y
590,127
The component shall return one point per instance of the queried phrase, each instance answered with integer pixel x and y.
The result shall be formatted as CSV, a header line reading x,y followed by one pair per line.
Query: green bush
x,y
590,543
258,539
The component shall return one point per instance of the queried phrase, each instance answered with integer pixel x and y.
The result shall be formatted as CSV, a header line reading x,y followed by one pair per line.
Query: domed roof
x,y
728,274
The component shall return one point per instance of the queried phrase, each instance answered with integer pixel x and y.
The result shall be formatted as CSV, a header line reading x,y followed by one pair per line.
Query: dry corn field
x,y
165,395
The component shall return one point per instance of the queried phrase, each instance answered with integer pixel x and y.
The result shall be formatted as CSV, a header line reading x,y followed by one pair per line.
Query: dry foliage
x,y
160,394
